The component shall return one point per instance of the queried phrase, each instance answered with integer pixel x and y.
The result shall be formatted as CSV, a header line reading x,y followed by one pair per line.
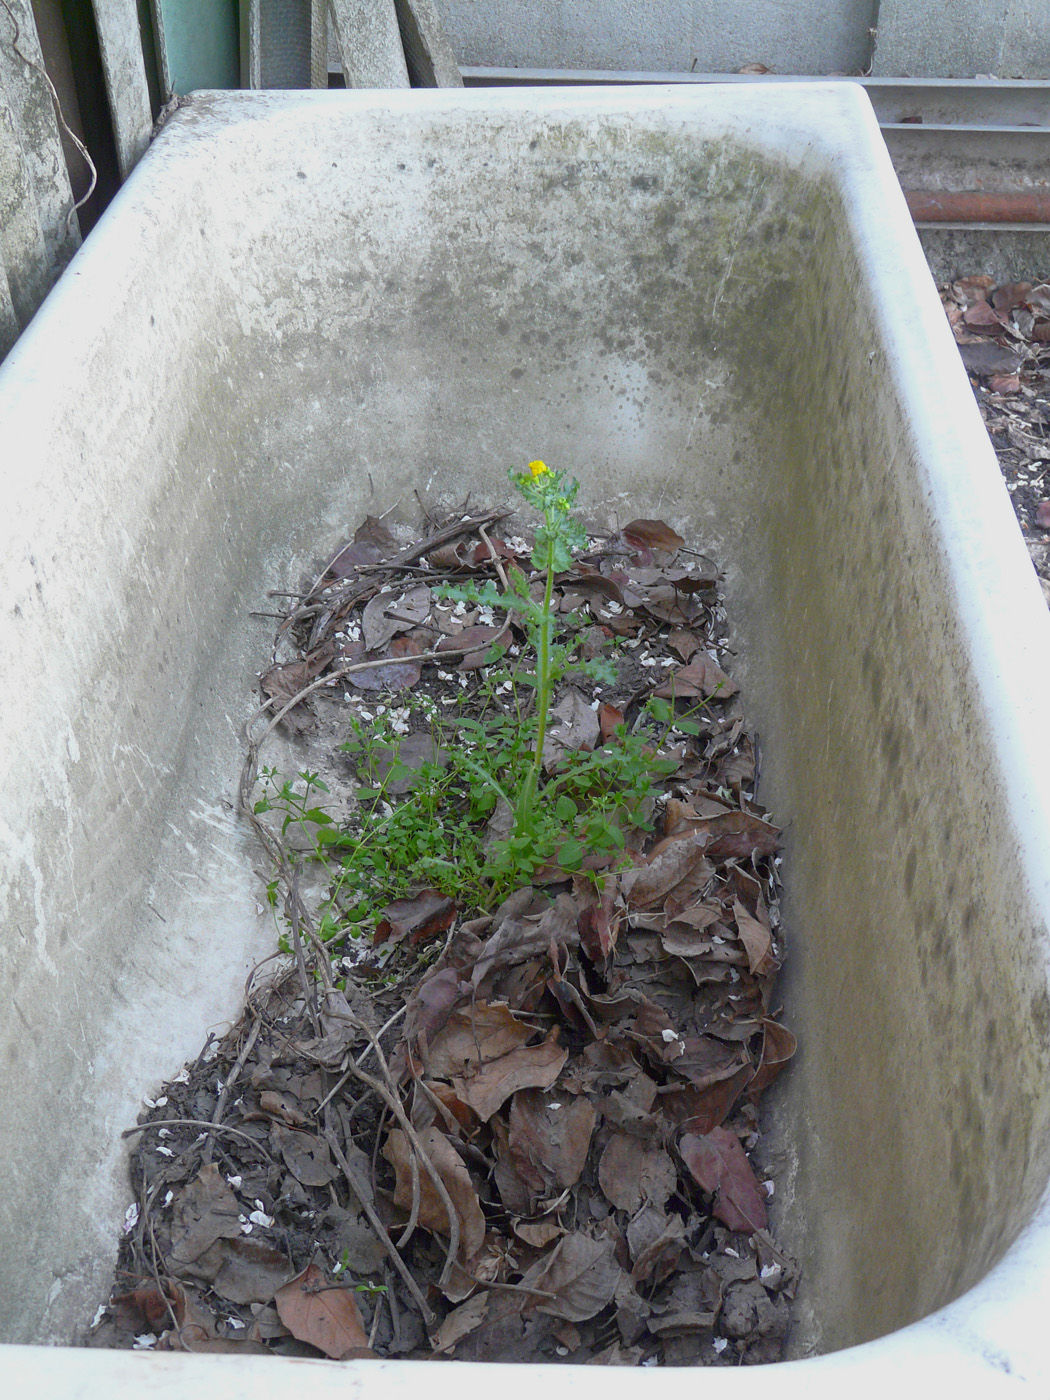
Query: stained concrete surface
x,y
304,306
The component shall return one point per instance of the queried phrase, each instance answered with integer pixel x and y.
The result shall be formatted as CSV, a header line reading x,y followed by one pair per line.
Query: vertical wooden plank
x,y
120,44
9,327
32,110
428,52
369,43
23,251
319,43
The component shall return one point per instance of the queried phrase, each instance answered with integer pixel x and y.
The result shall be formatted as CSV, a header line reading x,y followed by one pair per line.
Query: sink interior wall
x,y
388,306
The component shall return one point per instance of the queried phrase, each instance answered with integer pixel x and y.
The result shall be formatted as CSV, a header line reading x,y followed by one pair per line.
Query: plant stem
x,y
543,698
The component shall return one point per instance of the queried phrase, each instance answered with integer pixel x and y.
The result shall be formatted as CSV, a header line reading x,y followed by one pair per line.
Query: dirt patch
x,y
495,1098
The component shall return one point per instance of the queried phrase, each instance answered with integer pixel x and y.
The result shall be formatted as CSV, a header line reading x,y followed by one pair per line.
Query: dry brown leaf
x,y
479,639
205,1211
757,941
538,1233
326,1317
719,1164
306,1156
251,1272
391,612
707,1061
684,641
577,727
489,1030
1011,294
599,922
581,1272
983,318
609,720
702,677
672,863
778,1046
1005,384
460,1323
631,1172
529,1067
549,1138
655,1241
650,535
454,1176
372,543
423,916
739,836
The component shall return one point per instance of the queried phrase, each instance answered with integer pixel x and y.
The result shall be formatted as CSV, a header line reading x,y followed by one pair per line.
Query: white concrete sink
x,y
711,304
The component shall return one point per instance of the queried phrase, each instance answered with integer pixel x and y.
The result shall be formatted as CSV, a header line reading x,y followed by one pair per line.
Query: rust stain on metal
x,y
979,206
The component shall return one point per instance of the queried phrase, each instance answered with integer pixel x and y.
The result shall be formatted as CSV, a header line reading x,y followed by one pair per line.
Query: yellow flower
x,y
538,468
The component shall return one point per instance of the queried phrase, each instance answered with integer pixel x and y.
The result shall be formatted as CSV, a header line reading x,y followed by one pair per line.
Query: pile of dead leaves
x,y
536,1146
1003,334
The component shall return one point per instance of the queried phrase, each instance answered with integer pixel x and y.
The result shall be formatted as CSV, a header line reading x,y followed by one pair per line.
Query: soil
x,y
524,1129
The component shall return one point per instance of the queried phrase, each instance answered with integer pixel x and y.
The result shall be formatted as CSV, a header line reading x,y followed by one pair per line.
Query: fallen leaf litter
x,y
1003,334
513,1135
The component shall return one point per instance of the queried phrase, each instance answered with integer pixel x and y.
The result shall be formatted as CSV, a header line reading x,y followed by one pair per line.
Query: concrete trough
x,y
709,302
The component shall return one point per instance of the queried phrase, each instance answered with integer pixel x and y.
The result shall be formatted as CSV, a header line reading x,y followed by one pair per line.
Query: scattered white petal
x,y
732,1252
183,1076
769,1272
235,1322
246,1229
234,1181
101,1312
259,1217
668,1036
769,1187
165,1152
554,1105
150,1103
131,1217
719,1344
651,1361
144,1342
168,1198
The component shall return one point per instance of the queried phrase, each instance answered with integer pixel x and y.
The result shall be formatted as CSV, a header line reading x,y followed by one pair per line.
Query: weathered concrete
x,y
368,40
692,297
713,36
26,91
117,22
9,326
429,55
23,252
963,38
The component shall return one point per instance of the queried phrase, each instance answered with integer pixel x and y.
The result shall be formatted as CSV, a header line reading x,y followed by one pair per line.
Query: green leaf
x,y
565,809
570,854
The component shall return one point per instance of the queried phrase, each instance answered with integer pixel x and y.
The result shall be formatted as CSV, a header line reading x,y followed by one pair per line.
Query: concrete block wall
x,y
915,38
